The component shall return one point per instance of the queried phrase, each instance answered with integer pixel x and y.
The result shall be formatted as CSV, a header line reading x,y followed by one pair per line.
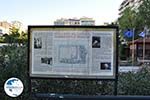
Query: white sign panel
x,y
72,52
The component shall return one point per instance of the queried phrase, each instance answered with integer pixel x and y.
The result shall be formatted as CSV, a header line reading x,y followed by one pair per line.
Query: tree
x,y
144,13
12,37
23,38
127,21
14,34
15,37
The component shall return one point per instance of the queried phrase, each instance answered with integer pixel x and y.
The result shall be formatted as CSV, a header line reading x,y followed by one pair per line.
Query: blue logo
x,y
13,87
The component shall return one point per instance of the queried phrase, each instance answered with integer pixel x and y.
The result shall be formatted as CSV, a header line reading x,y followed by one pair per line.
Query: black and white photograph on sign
x,y
46,60
37,43
105,66
96,41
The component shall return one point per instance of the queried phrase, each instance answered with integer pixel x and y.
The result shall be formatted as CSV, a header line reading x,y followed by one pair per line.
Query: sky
x,y
45,12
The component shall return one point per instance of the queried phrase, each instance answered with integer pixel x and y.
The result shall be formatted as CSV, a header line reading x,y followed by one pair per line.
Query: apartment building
x,y
134,4
87,21
6,26
75,21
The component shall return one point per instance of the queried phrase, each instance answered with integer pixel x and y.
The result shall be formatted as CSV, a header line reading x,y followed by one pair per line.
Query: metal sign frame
x,y
75,28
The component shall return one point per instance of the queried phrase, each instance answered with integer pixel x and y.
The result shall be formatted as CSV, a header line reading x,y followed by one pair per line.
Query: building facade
x,y
87,21
61,21
138,46
75,21
5,27
134,4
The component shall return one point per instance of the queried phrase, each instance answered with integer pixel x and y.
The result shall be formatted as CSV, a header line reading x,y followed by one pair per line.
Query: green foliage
x,y
80,87
128,19
135,83
130,83
122,52
13,63
144,13
15,36
1,39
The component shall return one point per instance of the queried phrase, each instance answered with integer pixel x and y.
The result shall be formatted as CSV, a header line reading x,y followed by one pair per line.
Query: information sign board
x,y
80,52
